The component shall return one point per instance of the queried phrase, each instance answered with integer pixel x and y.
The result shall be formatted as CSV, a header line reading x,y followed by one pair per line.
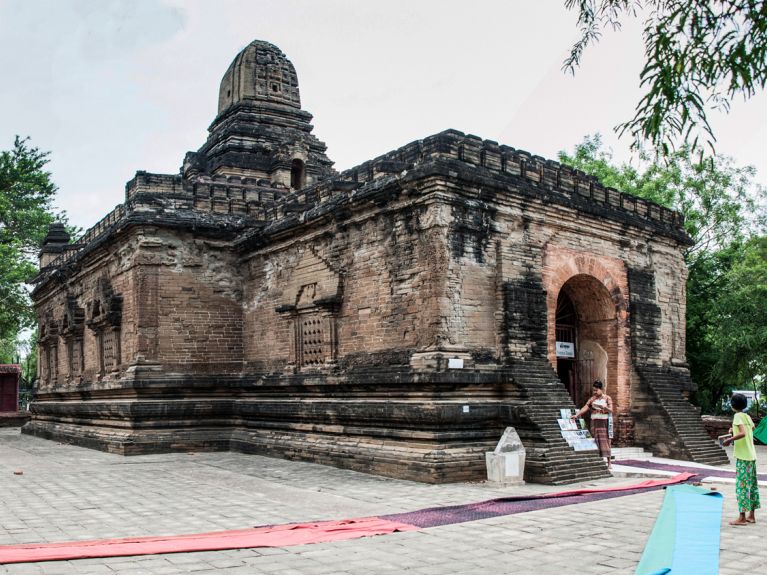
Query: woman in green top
x,y
746,485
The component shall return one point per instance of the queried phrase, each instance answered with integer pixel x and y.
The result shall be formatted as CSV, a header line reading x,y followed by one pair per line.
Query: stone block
x,y
506,463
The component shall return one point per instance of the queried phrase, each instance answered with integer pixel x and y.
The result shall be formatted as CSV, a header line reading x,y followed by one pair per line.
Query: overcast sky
x,y
110,87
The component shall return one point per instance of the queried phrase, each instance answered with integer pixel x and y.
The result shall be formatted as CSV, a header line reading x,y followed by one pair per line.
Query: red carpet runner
x,y
319,532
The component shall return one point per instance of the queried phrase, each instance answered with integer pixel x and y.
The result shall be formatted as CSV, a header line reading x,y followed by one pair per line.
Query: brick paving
x,y
68,493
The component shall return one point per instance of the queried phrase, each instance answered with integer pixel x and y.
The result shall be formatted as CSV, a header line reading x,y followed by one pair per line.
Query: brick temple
x,y
392,318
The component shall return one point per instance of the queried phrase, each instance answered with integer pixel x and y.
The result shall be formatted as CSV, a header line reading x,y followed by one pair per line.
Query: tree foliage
x,y
739,320
719,200
26,209
699,56
727,283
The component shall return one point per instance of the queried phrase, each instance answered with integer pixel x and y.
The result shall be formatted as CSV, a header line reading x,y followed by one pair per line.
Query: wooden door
x,y
8,393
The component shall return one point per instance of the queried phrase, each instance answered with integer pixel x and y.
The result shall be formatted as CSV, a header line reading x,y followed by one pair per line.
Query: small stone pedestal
x,y
506,464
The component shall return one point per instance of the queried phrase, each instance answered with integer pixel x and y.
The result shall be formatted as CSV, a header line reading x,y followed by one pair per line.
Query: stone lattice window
x,y
110,349
107,348
43,364
75,351
108,342
313,327
310,345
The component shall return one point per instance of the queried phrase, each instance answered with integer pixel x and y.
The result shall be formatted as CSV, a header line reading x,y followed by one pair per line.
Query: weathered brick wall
x,y
197,302
435,277
667,261
414,278
720,425
198,328
384,274
546,248
180,306
473,299
113,265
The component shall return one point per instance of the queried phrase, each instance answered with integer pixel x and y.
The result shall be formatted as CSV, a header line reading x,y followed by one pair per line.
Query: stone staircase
x,y
668,410
538,395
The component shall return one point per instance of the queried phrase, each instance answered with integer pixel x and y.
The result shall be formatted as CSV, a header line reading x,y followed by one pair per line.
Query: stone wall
x,y
720,425
87,325
366,283
198,303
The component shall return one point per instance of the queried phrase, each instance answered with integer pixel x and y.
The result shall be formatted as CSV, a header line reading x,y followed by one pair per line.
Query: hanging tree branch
x,y
699,56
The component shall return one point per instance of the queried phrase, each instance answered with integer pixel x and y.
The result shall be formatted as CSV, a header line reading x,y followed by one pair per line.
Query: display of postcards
x,y
567,424
582,423
579,439
571,437
585,445
566,413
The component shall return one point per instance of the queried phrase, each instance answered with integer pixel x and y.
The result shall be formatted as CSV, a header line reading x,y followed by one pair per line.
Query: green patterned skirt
x,y
746,486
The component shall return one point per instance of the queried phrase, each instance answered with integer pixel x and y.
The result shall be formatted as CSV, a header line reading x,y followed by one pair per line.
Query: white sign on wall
x,y
565,349
455,363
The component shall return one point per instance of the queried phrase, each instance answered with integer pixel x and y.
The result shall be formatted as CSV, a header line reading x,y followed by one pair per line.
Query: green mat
x,y
685,538
760,433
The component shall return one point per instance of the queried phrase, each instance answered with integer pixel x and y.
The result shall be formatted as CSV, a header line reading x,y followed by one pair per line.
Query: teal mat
x,y
685,538
760,433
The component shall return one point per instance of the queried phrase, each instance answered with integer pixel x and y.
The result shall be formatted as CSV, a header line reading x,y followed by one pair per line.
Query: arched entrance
x,y
597,315
587,332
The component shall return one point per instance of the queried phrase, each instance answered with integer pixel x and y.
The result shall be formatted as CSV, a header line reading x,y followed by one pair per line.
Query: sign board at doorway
x,y
565,349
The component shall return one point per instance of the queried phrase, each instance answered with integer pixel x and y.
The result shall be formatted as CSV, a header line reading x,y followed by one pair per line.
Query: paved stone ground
x,y
71,493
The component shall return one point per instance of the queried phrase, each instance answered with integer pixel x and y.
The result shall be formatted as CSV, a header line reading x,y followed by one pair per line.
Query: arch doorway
x,y
586,337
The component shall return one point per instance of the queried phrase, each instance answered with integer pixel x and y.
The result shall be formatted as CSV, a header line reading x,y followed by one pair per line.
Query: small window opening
x,y
228,93
275,88
297,175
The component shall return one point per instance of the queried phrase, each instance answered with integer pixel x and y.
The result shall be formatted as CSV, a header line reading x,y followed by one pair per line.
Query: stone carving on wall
x,y
72,330
312,301
105,319
49,348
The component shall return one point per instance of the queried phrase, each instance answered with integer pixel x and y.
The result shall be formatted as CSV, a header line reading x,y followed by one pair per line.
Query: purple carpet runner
x,y
702,471
437,516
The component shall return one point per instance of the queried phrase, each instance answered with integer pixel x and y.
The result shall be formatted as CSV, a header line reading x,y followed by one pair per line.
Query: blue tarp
x,y
685,538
